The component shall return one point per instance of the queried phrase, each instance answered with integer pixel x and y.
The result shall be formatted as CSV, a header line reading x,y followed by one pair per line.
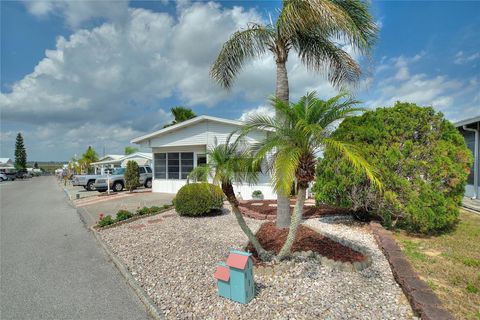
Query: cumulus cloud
x,y
445,94
260,110
120,75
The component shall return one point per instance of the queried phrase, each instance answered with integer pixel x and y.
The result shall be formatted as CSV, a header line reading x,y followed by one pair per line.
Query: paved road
x,y
51,266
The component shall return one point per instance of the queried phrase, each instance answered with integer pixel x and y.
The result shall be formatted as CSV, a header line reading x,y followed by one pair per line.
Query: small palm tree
x,y
313,29
231,162
296,137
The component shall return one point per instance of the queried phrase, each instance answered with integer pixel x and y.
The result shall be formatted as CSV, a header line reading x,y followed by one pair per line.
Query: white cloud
x,y
260,110
76,13
462,58
117,75
443,93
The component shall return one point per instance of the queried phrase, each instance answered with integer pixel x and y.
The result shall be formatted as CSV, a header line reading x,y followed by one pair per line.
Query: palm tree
x,y
227,163
296,137
313,29
180,114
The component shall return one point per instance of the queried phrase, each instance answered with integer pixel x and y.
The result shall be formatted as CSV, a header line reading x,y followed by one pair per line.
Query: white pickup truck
x,y
117,179
85,180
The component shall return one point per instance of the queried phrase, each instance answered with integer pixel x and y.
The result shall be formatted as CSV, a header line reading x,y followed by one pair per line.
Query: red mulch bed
x,y
272,239
308,211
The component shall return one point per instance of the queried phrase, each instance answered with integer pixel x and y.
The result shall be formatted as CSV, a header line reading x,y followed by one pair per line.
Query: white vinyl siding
x,y
203,133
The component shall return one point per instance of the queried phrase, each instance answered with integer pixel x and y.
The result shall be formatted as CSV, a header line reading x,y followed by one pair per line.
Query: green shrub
x,y
124,215
143,211
105,221
422,161
257,194
154,209
165,206
198,199
132,176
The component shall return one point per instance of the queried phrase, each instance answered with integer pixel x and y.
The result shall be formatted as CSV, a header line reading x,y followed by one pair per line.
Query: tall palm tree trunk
x,y
296,220
282,93
232,199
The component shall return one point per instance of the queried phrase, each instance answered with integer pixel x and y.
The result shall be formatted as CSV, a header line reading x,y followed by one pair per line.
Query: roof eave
x,y
466,122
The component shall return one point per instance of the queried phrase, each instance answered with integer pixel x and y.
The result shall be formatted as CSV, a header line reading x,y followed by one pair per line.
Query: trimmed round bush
x,y
197,199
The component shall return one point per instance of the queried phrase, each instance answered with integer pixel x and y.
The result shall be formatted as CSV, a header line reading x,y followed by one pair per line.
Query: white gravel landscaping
x,y
174,259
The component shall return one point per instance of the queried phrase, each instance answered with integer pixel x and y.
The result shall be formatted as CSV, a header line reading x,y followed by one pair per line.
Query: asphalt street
x,y
51,266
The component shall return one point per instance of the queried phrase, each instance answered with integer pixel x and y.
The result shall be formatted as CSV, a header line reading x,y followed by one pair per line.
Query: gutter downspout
x,y
475,162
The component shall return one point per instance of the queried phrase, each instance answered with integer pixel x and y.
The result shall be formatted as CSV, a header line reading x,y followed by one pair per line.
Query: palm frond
x,y
353,155
251,42
345,20
285,166
319,53
362,20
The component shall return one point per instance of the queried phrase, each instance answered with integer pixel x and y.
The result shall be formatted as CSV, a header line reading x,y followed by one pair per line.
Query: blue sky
x,y
100,73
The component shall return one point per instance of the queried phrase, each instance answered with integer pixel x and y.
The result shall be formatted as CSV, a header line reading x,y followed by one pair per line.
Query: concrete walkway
x,y
51,265
471,204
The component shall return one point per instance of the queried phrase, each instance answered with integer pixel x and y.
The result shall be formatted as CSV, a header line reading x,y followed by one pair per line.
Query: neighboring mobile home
x,y
6,163
470,129
180,148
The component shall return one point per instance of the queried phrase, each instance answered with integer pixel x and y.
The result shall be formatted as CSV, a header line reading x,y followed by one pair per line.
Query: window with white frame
x,y
173,165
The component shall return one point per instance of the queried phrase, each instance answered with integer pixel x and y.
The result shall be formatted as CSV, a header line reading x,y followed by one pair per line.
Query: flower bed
x,y
267,209
124,216
272,239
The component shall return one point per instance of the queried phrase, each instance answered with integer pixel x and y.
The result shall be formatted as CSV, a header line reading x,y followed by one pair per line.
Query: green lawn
x,y
450,264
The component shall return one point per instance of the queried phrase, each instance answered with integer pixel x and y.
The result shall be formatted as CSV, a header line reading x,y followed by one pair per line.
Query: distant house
x,y
180,148
141,158
470,129
6,163
109,161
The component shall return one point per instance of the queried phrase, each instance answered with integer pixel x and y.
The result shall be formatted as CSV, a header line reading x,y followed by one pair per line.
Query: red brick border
x,y
422,299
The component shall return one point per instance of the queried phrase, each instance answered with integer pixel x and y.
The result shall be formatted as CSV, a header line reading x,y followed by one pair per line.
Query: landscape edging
x,y
421,297
151,307
135,217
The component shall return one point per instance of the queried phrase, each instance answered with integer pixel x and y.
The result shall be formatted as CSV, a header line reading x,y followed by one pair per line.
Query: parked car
x,y
10,173
23,174
85,180
3,177
117,179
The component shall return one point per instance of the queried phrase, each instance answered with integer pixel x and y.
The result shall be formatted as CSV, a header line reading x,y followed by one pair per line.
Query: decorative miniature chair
x,y
235,278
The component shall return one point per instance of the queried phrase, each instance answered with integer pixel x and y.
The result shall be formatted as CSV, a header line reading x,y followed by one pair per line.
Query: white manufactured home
x,y
179,148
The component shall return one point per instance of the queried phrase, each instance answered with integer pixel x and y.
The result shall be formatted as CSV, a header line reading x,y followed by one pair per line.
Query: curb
x,y
421,297
151,307
470,209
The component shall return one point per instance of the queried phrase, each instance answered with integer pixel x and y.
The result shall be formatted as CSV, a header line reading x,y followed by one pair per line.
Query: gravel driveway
x,y
174,258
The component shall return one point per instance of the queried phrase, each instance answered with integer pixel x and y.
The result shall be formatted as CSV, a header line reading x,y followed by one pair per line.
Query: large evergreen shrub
x,y
198,199
423,162
132,176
